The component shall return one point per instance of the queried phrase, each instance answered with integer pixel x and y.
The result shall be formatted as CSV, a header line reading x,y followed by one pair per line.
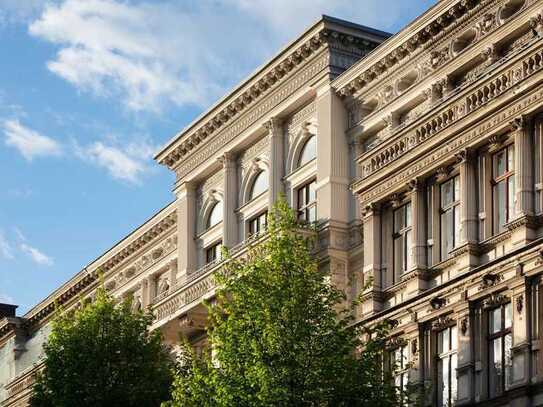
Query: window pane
x,y
215,216
511,198
457,226
454,386
450,230
495,320
441,397
499,163
447,196
301,197
445,382
260,184
495,366
508,342
454,338
499,196
309,151
408,244
511,158
408,214
312,192
456,188
444,236
507,316
312,215
446,344
398,255
398,220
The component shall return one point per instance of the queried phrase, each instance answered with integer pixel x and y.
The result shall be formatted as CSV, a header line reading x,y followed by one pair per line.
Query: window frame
x,y
454,207
495,180
501,336
208,224
214,249
405,234
305,206
257,221
448,355
312,139
262,173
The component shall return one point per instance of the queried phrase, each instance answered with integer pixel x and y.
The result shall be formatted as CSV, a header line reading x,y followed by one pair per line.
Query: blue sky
x,y
89,89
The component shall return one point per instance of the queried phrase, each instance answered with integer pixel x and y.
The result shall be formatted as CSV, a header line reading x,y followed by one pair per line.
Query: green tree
x,y
280,335
103,354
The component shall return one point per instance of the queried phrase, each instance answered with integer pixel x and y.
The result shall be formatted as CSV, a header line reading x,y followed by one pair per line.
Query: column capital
x,y
185,189
273,125
415,184
227,158
371,209
519,123
464,156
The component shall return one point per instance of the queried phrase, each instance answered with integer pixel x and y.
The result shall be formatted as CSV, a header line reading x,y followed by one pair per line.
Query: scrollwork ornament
x,y
520,303
464,326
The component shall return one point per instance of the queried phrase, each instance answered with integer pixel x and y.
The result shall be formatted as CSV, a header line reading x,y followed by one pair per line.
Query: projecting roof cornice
x,y
327,32
414,38
158,225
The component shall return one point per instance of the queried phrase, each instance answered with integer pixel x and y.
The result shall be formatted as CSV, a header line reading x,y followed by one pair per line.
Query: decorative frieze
x,y
378,160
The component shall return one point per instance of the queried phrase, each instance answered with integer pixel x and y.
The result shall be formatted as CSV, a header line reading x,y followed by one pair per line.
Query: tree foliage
x,y
280,335
103,354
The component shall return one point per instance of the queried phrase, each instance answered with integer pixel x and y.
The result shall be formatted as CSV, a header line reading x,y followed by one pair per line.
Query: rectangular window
x,y
307,202
446,367
258,223
449,215
213,252
503,187
500,341
399,364
402,234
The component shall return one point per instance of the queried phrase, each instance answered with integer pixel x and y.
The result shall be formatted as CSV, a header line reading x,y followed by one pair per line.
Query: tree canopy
x,y
280,335
103,354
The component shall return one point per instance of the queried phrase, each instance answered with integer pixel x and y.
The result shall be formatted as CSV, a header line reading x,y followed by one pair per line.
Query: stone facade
x,y
421,163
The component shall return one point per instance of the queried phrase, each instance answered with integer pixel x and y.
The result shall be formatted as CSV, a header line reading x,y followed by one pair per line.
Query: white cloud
x,y
19,11
128,164
151,54
29,142
6,251
6,299
36,255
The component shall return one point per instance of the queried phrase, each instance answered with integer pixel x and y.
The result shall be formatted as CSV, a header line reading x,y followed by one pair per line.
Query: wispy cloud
x,y
6,299
36,255
6,251
150,54
128,162
29,142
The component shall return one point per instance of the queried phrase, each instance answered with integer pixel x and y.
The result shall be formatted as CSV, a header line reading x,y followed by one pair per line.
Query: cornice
x,y
411,40
159,224
328,32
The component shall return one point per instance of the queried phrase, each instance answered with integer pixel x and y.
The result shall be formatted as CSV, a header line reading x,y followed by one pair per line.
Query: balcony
x,y
189,292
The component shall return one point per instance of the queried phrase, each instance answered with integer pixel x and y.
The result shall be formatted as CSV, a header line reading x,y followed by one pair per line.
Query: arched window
x,y
260,185
215,215
309,151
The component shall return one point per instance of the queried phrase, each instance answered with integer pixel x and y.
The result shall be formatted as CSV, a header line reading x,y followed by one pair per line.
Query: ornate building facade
x,y
420,161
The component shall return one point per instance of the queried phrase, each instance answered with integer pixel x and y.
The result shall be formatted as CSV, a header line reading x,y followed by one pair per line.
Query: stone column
x,y
274,127
416,276
186,228
469,216
372,240
332,159
230,224
523,225
150,291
